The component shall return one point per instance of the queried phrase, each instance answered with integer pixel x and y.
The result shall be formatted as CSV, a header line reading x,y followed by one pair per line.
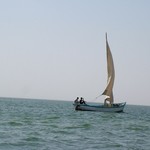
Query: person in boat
x,y
76,100
107,102
82,100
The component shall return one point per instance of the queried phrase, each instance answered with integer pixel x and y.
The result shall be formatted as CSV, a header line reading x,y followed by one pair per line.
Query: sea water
x,y
27,124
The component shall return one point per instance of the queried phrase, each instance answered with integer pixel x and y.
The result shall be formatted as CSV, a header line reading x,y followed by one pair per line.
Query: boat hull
x,y
118,107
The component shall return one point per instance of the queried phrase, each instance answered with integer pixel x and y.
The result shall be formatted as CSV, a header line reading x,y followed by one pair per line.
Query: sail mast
x,y
111,75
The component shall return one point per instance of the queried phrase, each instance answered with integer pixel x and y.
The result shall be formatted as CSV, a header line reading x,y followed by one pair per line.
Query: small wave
x,y
32,139
83,126
61,132
86,125
53,118
14,123
53,126
137,128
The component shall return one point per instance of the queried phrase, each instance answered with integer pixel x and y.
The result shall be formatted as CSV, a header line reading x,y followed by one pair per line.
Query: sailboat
x,y
108,105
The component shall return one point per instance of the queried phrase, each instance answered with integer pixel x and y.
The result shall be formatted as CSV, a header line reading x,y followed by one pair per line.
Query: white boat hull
x,y
118,107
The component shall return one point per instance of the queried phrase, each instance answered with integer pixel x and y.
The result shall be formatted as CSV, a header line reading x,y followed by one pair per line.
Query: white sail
x,y
111,75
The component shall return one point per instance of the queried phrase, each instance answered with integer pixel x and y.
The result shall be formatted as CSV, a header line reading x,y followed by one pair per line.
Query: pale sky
x,y
55,49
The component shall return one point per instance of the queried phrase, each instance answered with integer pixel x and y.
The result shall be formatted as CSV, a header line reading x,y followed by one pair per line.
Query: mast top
x,y
106,36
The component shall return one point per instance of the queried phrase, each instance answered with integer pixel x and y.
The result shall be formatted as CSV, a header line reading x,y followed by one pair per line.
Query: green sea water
x,y
27,124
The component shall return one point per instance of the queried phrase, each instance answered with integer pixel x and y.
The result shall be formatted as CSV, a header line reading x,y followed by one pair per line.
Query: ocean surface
x,y
27,124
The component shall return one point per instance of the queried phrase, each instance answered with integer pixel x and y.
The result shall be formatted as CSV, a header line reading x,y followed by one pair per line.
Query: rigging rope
x,y
97,97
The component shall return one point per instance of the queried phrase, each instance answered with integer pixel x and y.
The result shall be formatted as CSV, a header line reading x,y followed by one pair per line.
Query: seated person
x,y
82,101
76,100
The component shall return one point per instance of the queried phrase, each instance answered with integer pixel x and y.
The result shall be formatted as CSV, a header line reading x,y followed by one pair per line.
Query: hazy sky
x,y
55,49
